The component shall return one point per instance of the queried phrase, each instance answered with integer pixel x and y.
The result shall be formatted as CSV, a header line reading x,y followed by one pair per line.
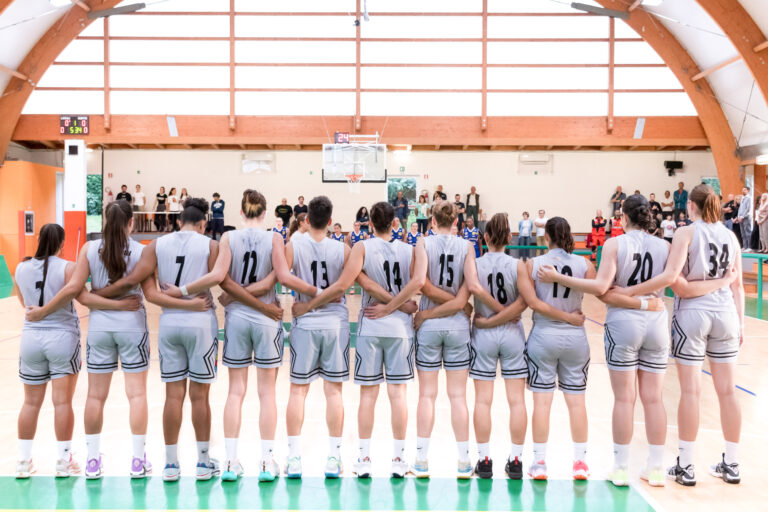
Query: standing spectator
x,y
281,229
667,205
655,208
481,222
729,212
744,218
400,204
598,232
422,214
541,223
217,211
617,198
160,207
174,208
439,195
472,235
183,197
524,231
284,212
668,227
681,199
460,210
761,218
754,241
473,204
356,235
300,208
363,218
616,229
683,220
139,200
735,221
124,195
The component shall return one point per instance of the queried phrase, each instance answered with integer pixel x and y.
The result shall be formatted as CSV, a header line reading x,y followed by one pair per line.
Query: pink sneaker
x,y
580,470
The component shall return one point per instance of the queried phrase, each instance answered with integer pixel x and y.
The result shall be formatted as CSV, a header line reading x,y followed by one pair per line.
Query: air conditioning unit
x,y
258,162
535,163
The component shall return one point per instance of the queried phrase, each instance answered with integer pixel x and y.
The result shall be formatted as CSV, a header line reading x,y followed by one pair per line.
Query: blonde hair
x,y
444,213
253,204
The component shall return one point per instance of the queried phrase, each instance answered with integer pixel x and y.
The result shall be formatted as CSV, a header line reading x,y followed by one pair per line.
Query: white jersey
x,y
182,257
389,265
445,257
498,276
37,290
319,264
108,320
712,253
251,262
556,295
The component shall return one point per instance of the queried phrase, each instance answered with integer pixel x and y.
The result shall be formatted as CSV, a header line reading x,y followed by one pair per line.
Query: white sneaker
x,y
269,470
333,467
654,476
67,468
24,469
233,470
399,468
538,470
362,468
171,472
420,469
293,467
206,471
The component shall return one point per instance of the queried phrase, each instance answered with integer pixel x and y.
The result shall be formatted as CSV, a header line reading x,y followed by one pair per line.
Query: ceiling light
x,y
762,159
60,3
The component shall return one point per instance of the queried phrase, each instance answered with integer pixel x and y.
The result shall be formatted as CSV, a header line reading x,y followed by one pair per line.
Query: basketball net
x,y
353,180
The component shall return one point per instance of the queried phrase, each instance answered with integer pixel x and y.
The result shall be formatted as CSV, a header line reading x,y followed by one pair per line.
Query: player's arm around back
x,y
219,259
677,257
282,260
475,288
76,275
596,284
526,288
416,283
143,269
353,265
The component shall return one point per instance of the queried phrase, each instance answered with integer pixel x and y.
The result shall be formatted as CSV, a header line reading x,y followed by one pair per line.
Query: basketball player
x,y
298,225
356,235
384,345
472,235
281,229
397,231
337,234
413,235
711,325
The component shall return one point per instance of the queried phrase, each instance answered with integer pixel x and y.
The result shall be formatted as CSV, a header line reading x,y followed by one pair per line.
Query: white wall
x,y
581,182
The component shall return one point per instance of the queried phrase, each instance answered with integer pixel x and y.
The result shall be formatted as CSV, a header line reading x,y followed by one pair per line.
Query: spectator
x,y
540,223
473,204
729,212
736,227
668,227
139,200
524,231
413,235
183,197
667,205
460,209
124,195
217,212
681,200
422,214
683,220
429,231
472,235
616,229
397,231
754,241
598,233
174,207
761,218
439,195
617,198
400,204
744,218
655,208
284,212
637,192
356,235
363,218
280,228
481,222
300,208
160,207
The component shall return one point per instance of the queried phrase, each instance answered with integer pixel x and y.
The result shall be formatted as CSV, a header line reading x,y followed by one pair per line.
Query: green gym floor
x,y
436,494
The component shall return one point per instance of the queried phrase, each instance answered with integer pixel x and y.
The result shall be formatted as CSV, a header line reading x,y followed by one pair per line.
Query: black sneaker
x,y
514,469
484,468
728,472
682,475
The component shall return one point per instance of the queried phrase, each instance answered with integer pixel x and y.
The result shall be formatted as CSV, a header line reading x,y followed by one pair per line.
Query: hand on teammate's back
x,y
376,311
274,311
409,307
33,313
225,299
171,290
130,303
577,318
201,302
546,274
299,309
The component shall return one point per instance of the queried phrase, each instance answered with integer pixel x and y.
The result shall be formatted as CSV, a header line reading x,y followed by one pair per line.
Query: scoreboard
x,y
74,125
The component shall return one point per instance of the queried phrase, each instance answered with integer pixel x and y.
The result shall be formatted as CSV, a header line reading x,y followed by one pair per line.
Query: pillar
x,y
75,186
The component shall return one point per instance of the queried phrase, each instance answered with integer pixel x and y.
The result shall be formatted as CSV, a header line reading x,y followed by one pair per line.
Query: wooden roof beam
x,y
716,67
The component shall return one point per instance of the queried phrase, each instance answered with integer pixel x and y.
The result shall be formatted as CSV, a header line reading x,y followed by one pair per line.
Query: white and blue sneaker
x,y
333,467
362,468
171,472
293,467
269,470
464,470
206,471
233,471
420,469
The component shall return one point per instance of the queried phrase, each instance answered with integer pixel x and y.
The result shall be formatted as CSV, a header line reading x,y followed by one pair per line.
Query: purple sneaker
x,y
140,468
94,469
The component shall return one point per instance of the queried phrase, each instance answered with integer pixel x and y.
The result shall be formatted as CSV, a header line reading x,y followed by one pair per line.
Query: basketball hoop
x,y
353,180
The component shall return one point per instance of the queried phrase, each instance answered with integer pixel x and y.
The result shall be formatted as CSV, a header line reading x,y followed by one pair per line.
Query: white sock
x,y
579,451
139,445
230,447
365,448
92,442
267,448
25,449
463,448
655,455
334,446
686,452
621,455
171,454
516,451
398,449
422,448
483,450
731,452
539,452
64,449
202,451
294,446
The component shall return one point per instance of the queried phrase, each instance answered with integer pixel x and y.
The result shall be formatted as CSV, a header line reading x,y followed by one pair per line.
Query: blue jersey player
x,y
413,235
337,234
471,234
279,228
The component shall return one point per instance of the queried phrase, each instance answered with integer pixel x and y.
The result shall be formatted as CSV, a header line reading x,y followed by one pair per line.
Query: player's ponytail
x,y
559,232
296,223
115,245
195,210
49,244
705,199
497,231
253,204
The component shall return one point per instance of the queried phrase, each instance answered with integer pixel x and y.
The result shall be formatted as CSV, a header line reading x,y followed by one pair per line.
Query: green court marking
x,y
6,282
436,494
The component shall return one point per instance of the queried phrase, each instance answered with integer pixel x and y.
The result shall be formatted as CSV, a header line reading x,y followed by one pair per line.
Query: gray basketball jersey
x,y
115,321
639,257
556,295
711,254
29,279
389,265
445,257
498,276
182,258
251,262
319,264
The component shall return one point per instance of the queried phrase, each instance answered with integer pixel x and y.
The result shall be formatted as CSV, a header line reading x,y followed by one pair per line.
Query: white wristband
x,y
643,304
184,291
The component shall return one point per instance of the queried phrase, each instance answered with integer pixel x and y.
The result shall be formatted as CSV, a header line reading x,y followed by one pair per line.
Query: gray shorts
x,y
504,344
637,340
247,343
48,354
376,357
319,353
103,349
697,333
435,349
189,351
557,358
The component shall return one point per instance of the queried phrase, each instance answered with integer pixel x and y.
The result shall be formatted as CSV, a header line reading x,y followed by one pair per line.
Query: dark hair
x,y
422,199
360,212
559,232
253,203
121,186
705,199
49,243
195,209
382,215
173,189
319,212
444,213
295,223
497,230
115,244
216,194
638,211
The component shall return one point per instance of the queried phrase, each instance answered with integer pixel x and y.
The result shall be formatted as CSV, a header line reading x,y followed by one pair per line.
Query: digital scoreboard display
x,y
341,137
74,125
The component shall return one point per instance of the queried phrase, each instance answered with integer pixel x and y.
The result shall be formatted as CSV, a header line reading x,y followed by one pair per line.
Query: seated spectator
x,y
337,234
413,235
455,231
655,208
667,204
682,220
362,216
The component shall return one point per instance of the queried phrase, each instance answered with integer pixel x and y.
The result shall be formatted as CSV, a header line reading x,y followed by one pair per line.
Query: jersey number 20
x,y
643,268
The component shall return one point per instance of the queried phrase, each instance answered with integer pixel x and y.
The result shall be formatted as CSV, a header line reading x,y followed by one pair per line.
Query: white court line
x,y
639,487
